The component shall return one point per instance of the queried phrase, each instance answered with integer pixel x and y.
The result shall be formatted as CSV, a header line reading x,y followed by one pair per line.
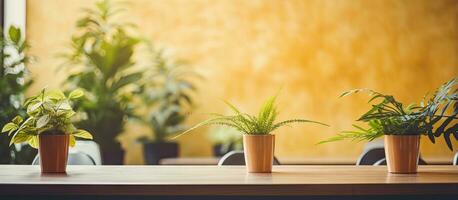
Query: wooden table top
x,y
293,161
283,161
230,180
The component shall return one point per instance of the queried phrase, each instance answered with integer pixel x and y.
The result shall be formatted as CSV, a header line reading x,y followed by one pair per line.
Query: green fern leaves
x,y
261,124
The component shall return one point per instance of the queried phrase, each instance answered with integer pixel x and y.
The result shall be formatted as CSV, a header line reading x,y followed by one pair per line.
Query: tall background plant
x,y
168,96
168,93
14,82
102,55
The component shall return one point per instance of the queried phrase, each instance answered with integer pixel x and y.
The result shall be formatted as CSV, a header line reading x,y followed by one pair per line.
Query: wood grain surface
x,y
231,180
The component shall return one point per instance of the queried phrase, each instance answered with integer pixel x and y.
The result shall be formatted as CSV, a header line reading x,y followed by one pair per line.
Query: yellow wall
x,y
312,49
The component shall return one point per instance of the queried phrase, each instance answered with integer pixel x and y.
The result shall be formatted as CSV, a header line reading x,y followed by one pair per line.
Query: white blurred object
x,y
455,159
15,12
90,148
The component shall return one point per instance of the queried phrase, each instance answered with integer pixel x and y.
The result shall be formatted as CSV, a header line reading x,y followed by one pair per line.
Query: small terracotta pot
x,y
402,153
259,152
53,153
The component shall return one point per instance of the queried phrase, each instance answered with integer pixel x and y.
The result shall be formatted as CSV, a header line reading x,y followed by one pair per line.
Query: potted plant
x,y
225,139
402,125
101,62
48,127
257,130
168,95
14,81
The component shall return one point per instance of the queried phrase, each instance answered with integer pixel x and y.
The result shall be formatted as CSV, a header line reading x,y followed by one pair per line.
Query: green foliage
x,y
49,112
390,117
101,58
168,92
227,138
262,124
13,83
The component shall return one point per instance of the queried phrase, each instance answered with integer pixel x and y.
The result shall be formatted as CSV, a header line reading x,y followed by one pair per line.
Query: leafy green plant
x,y
261,124
390,117
13,83
168,92
49,113
228,138
101,60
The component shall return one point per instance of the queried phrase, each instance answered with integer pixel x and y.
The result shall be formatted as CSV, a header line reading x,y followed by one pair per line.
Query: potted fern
x,y
258,139
48,127
402,125
168,95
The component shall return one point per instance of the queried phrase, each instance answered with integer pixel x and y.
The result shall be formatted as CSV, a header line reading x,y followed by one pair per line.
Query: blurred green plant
x,y
13,83
50,113
101,60
168,93
226,138
261,124
391,117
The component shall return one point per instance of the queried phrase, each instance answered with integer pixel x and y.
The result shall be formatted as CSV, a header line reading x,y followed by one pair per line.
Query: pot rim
x,y
402,135
253,135
59,135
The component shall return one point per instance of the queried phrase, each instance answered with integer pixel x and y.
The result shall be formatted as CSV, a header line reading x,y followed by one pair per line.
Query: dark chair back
x,y
380,162
371,156
74,158
237,158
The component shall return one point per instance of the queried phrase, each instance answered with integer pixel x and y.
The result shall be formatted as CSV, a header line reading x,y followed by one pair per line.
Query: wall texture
x,y
312,49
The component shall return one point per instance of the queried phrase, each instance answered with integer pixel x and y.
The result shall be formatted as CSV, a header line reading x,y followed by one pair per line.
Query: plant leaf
x,y
20,137
33,141
126,80
17,120
283,123
55,94
72,141
14,34
204,123
9,127
33,107
82,134
75,94
42,121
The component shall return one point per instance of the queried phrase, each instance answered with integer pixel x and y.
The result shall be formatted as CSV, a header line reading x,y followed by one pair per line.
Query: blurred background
x,y
244,51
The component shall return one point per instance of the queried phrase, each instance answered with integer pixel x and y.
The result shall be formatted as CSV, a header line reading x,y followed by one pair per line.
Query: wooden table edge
x,y
231,190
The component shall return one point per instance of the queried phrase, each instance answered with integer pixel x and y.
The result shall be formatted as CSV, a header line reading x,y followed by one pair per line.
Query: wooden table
x,y
293,161
283,161
206,181
190,161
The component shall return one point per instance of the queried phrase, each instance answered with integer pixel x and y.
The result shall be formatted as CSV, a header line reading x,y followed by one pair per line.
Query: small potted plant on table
x,y
258,140
48,127
402,125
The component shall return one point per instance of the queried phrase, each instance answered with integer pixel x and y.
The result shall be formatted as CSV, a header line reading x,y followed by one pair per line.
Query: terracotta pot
x,y
402,152
53,153
259,152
